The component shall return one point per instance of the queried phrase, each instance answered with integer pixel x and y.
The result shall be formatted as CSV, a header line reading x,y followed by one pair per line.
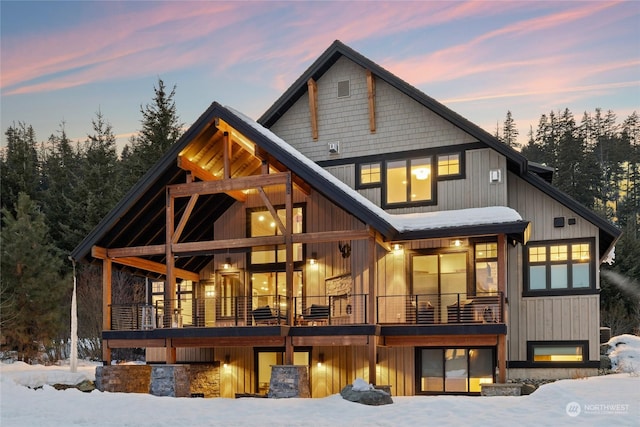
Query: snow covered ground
x,y
611,400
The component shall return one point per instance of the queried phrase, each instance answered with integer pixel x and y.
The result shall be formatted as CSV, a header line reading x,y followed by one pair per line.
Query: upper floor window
x,y
409,181
262,223
559,267
448,165
369,174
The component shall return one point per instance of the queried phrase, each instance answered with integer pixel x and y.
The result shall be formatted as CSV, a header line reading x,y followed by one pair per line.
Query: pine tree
x,y
20,169
161,128
629,207
61,202
532,151
510,131
33,291
100,187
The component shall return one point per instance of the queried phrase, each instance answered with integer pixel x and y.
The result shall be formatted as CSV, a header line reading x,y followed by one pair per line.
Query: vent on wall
x,y
344,89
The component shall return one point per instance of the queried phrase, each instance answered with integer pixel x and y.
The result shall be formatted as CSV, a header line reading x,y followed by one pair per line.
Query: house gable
x,y
401,123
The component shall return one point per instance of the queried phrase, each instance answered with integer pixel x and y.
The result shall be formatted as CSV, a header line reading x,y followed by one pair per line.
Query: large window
x,y
559,267
182,304
262,223
440,280
409,181
454,370
270,288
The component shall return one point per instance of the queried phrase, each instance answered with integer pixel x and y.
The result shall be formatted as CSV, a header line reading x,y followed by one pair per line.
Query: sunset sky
x,y
64,61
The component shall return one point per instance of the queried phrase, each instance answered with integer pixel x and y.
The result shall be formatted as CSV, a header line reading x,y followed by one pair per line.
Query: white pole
x,y
73,363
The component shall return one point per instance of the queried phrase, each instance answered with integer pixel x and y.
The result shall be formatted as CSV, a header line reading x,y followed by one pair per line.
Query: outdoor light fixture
x,y
314,258
456,243
227,263
320,359
397,248
227,360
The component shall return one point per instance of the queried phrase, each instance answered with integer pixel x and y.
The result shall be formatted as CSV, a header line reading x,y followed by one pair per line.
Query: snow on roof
x,y
455,218
401,222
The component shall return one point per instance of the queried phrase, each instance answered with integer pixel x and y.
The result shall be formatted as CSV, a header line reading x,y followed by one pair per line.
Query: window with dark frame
x,y
486,258
262,223
454,369
448,164
552,352
409,181
559,267
369,174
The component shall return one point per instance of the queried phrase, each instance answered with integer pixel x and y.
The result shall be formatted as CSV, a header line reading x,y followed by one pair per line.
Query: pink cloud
x,y
120,39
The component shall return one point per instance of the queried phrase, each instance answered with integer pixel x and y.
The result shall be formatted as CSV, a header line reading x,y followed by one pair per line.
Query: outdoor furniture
x,y
316,313
426,313
463,313
266,316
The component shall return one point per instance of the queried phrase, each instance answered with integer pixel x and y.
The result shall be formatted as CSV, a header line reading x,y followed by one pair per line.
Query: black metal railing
x,y
440,308
348,309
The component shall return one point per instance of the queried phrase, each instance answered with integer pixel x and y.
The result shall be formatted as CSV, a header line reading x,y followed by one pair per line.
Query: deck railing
x,y
440,308
348,309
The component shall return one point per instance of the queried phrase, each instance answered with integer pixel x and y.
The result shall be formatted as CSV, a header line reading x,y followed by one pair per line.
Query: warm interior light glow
x,y
422,173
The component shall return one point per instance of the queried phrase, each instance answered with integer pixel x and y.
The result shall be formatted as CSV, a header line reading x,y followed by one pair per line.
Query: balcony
x,y
323,310
444,308
214,312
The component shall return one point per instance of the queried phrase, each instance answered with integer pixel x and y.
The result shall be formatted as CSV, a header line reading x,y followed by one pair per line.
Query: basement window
x,y
556,352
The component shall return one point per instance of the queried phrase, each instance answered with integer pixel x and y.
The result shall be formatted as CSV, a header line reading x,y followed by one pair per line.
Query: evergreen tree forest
x,y
54,192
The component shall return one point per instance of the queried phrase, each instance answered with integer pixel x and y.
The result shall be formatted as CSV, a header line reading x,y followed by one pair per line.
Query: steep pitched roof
x,y
536,175
139,218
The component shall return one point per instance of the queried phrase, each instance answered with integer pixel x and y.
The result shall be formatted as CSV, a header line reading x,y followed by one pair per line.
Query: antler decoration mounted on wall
x,y
345,249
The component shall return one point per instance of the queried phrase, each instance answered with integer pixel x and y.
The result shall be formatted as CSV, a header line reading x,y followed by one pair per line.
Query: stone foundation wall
x,y
170,380
205,380
161,380
289,381
124,378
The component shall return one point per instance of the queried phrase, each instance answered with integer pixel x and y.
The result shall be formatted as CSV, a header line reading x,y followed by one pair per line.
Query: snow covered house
x,y
362,229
